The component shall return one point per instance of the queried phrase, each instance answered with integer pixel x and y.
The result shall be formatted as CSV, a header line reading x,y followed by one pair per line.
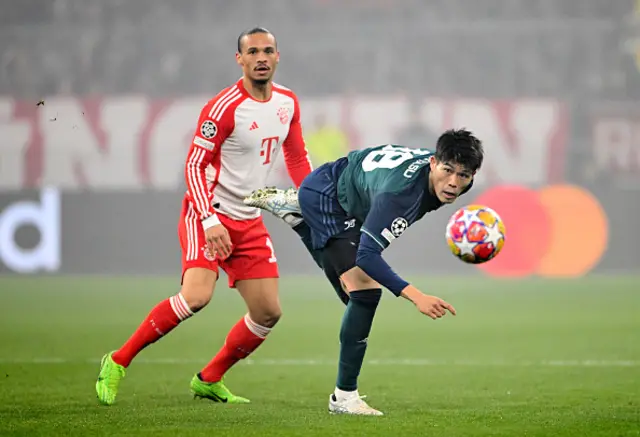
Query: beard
x,y
260,82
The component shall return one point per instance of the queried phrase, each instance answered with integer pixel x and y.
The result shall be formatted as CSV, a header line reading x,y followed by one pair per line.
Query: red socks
x,y
160,321
244,338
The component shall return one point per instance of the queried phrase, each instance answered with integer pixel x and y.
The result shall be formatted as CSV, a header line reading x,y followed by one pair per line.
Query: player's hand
x,y
431,306
218,241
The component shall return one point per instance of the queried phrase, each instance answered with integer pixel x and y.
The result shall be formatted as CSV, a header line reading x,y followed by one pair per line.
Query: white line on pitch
x,y
372,362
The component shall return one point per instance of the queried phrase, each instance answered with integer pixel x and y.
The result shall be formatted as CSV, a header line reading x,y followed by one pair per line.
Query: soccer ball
x,y
475,234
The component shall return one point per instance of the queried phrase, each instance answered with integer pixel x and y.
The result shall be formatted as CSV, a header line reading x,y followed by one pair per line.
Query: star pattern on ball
x,y
474,234
466,248
494,234
470,216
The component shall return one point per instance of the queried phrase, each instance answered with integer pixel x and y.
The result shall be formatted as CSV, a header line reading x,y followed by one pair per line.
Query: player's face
x,y
448,180
259,57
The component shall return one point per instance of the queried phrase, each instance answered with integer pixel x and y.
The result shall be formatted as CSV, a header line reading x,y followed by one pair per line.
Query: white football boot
x,y
351,404
281,203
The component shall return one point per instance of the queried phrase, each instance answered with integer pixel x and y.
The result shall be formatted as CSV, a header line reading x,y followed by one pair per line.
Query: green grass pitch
x,y
522,358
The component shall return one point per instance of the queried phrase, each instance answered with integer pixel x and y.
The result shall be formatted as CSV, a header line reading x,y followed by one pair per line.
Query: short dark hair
x,y
459,146
251,32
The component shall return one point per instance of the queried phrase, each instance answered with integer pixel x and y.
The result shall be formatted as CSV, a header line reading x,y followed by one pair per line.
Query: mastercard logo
x,y
556,231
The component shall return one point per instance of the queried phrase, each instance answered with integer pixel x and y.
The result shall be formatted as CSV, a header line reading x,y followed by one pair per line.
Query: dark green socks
x,y
354,333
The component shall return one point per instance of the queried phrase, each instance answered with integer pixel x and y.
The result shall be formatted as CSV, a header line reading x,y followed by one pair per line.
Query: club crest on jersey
x,y
283,115
398,226
208,256
208,129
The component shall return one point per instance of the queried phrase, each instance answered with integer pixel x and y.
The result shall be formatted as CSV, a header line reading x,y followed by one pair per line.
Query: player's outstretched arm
x,y
385,222
370,260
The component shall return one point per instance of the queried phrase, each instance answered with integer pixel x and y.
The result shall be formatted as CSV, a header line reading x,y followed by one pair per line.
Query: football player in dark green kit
x,y
348,211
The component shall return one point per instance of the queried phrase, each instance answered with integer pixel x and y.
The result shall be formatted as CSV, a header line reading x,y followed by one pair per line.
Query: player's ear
x,y
239,59
433,162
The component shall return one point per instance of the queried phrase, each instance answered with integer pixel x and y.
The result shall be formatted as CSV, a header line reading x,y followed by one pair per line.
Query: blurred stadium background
x,y
99,99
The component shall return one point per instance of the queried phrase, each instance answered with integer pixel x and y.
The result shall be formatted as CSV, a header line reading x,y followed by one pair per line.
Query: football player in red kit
x,y
239,134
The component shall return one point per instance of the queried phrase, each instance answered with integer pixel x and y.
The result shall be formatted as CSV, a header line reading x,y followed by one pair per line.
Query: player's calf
x,y
354,337
196,292
364,297
162,319
244,338
261,298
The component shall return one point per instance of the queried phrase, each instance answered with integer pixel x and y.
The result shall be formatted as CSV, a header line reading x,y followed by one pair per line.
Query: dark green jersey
x,y
382,191
399,174
386,189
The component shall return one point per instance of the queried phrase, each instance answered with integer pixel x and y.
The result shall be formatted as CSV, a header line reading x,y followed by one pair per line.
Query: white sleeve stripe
x,y
219,101
202,186
190,171
196,187
190,181
218,115
374,238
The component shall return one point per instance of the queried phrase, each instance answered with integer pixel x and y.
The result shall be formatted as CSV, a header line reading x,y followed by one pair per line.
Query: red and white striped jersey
x,y
235,146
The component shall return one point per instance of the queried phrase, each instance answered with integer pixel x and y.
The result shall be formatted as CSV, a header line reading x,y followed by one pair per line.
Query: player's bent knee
x,y
197,287
356,279
197,298
267,316
261,297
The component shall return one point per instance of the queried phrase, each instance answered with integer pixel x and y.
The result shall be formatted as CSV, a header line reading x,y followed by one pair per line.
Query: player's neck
x,y
259,91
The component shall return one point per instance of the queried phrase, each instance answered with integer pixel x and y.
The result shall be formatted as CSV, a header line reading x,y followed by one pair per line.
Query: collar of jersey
x,y
246,93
